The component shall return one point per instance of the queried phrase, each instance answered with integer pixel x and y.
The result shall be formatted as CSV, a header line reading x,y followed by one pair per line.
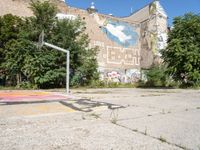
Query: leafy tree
x,y
9,31
46,67
70,35
182,54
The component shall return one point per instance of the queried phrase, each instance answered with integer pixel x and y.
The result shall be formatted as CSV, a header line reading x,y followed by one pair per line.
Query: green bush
x,y
26,85
182,55
108,84
157,76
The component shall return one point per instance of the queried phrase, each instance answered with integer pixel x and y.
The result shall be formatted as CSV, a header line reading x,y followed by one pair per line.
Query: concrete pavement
x,y
105,119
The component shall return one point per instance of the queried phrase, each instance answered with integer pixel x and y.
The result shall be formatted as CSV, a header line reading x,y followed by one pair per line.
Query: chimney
x,y
92,9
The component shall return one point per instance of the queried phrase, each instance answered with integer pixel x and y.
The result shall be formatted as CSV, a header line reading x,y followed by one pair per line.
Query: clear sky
x,y
122,8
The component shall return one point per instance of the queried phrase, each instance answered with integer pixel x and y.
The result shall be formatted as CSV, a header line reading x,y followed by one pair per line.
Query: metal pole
x,y
56,47
67,62
67,77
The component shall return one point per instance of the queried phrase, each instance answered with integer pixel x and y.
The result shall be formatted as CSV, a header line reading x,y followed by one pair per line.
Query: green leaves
x,y
23,64
182,55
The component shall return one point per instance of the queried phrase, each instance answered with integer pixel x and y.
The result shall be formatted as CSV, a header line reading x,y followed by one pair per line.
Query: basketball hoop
x,y
41,43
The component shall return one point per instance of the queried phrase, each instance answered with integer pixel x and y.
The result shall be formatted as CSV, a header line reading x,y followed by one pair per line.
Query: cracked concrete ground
x,y
105,119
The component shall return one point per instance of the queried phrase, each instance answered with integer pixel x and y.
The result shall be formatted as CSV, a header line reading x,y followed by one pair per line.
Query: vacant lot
x,y
104,119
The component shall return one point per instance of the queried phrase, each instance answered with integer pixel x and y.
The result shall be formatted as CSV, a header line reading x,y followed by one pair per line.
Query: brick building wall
x,y
126,44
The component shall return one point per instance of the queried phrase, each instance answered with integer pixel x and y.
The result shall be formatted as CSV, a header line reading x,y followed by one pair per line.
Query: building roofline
x,y
105,15
114,15
138,9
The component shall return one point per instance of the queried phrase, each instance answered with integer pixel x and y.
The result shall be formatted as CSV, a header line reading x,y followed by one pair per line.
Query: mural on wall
x,y
120,32
161,42
117,55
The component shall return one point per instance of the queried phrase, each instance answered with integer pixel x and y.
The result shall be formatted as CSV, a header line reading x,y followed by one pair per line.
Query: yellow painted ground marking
x,y
33,109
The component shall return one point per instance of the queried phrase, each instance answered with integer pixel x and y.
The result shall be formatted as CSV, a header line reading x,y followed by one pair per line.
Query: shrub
x,y
157,76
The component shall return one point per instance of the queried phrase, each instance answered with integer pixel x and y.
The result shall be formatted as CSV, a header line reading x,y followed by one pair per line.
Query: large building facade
x,y
126,44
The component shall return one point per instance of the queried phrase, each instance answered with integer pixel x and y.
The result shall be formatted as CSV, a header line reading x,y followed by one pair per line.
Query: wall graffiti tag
x,y
118,55
126,56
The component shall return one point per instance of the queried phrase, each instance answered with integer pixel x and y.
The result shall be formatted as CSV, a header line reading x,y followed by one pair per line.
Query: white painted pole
x,y
67,62
56,47
67,76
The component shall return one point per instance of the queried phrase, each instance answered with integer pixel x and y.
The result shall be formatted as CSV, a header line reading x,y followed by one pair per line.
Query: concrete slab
x,y
72,132
105,119
181,128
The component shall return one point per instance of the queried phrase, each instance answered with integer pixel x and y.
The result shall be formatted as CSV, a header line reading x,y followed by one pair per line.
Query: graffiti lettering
x,y
118,55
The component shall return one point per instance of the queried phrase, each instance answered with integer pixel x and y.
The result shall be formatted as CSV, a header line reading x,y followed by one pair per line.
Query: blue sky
x,y
122,8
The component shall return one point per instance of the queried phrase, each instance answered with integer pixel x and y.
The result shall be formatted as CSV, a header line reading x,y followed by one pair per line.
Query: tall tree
x,y
46,67
182,54
9,31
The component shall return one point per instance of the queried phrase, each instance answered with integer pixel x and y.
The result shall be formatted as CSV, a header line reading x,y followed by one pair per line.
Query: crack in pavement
x,y
160,138
158,114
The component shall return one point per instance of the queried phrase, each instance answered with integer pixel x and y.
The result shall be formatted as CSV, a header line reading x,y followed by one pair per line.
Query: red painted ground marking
x,y
15,96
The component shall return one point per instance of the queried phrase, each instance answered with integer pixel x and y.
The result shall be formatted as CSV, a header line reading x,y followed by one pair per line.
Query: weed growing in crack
x,y
145,132
169,112
114,116
162,139
163,111
83,117
114,120
96,116
135,130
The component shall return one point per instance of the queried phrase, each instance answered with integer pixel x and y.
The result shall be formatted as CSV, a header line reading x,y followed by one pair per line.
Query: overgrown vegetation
x,y
157,76
182,55
23,65
181,66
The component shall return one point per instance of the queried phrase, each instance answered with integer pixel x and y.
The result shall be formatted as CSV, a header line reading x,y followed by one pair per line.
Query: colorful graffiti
x,y
119,32
114,76
133,75
122,76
